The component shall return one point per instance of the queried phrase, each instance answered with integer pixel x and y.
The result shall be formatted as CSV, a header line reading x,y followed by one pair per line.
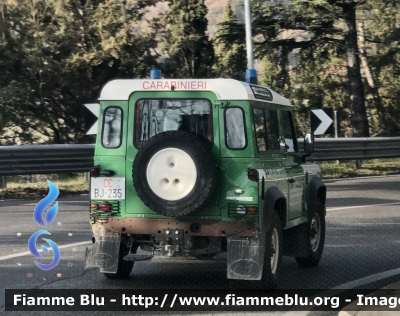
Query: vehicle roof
x,y
225,89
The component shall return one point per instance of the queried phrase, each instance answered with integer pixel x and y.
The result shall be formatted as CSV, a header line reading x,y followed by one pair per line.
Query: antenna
x,y
251,73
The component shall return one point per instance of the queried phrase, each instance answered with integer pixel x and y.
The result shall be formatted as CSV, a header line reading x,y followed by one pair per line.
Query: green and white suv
x,y
196,167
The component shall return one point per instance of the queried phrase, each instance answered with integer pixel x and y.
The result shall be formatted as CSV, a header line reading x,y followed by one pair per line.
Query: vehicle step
x,y
135,257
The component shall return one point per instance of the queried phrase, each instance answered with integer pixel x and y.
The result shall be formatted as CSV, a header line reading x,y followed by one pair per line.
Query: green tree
x,y
62,53
230,50
321,81
187,50
380,33
330,28
344,10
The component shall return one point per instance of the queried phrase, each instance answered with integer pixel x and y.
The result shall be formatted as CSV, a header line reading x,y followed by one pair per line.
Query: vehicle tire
x,y
174,173
316,239
273,253
124,267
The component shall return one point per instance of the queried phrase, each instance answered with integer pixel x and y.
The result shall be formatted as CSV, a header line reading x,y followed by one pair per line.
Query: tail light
x,y
252,210
94,206
95,172
253,174
105,206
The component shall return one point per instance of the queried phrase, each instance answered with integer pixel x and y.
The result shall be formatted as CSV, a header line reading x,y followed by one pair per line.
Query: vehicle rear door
x,y
153,112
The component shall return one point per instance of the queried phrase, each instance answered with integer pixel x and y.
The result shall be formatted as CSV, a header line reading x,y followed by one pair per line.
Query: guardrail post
x,y
335,124
87,176
3,182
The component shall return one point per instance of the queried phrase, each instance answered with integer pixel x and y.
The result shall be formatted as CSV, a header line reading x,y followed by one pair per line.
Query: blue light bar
x,y
155,74
251,76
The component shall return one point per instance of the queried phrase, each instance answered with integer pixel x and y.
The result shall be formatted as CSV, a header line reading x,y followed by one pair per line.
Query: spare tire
x,y
174,173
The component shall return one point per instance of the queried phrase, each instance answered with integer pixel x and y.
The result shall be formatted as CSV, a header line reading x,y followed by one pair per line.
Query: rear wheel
x,y
124,267
273,253
316,240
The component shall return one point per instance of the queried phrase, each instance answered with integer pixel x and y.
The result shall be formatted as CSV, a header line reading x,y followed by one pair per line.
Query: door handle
x,y
291,180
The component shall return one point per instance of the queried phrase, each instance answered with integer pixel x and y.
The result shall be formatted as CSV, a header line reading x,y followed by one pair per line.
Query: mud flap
x,y
104,253
245,257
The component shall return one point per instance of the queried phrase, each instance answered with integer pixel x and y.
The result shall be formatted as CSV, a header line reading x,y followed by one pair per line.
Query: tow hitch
x,y
172,241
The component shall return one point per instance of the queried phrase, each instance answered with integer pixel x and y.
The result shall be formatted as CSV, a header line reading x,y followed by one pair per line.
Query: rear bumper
x,y
195,227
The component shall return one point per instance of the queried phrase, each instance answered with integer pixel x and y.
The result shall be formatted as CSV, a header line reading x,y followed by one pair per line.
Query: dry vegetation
x,y
21,187
374,167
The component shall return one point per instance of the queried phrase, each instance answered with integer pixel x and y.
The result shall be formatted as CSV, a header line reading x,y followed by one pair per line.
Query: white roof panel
x,y
225,89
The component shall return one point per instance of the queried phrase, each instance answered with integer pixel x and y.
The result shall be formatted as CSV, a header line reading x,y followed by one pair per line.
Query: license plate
x,y
107,188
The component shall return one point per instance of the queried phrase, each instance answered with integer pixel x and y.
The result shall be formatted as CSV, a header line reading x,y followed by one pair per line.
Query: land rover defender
x,y
196,167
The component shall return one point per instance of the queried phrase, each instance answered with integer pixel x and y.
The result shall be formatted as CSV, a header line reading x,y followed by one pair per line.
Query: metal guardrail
x,y
355,148
43,159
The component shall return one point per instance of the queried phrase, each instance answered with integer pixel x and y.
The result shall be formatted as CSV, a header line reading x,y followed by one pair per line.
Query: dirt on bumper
x,y
195,227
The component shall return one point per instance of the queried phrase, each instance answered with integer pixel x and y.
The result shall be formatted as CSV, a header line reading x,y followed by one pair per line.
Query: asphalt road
x,y
362,249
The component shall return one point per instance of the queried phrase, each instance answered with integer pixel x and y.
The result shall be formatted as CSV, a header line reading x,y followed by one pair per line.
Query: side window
x,y
259,126
271,123
288,132
267,129
235,137
112,127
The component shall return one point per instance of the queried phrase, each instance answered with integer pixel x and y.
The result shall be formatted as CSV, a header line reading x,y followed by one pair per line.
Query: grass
x,y
26,187
21,188
347,169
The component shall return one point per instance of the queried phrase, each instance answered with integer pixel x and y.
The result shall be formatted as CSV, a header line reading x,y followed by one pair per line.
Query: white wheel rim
x,y
274,251
315,234
171,174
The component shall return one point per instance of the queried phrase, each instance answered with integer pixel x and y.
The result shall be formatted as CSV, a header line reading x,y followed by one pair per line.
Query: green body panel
x,y
233,165
234,176
295,190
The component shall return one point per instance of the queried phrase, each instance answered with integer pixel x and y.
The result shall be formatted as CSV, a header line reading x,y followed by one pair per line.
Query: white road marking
x,y
40,250
59,202
360,206
368,279
361,178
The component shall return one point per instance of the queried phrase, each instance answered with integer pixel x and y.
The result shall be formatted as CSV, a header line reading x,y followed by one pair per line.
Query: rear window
x,y
154,116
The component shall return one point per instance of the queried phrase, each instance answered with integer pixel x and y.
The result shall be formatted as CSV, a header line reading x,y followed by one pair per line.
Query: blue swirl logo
x,y
43,219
